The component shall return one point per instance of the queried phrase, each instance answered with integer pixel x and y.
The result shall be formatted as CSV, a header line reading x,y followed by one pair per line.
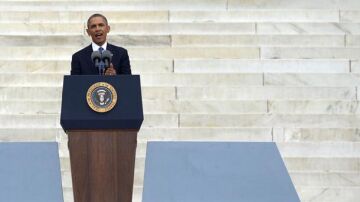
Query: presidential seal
x,y
101,97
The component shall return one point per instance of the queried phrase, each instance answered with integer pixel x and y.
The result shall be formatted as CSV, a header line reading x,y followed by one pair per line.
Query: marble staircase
x,y
211,70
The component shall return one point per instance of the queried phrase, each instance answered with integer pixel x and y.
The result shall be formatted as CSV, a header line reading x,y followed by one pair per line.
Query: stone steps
x,y
313,107
298,53
63,66
332,165
90,5
258,15
280,134
330,194
217,66
350,16
81,17
166,134
284,4
202,79
323,149
245,15
29,134
162,106
326,179
179,28
340,80
64,53
308,28
204,52
301,149
316,134
269,120
53,121
211,70
261,40
232,66
34,93
198,93
199,40
129,28
205,120
113,5
168,79
69,41
248,15
266,93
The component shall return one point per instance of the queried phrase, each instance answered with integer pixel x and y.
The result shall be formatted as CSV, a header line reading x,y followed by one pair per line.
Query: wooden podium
x,y
102,145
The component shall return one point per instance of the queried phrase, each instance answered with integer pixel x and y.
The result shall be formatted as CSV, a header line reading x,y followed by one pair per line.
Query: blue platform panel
x,y
30,172
216,172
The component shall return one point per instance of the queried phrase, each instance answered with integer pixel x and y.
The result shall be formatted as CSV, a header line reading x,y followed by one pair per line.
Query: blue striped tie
x,y
101,50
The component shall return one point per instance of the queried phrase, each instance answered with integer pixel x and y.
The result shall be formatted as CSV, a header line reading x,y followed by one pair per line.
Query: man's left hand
x,y
111,71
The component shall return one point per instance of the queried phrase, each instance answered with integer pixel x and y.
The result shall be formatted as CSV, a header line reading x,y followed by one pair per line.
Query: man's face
x,y
98,30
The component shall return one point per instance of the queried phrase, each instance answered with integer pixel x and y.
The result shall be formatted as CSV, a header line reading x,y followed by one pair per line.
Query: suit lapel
x,y
89,62
88,54
112,49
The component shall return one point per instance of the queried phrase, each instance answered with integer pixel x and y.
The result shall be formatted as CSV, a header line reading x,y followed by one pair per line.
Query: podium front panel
x,y
126,114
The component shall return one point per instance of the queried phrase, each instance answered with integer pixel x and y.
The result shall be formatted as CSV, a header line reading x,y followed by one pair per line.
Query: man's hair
x,y
96,15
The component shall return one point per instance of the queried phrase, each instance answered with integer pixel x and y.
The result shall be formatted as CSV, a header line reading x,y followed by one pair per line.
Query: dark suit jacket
x,y
81,63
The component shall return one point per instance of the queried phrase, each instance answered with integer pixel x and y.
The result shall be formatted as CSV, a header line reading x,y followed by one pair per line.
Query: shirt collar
x,y
96,47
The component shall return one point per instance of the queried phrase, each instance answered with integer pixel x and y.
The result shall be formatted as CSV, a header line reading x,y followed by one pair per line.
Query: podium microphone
x,y
96,58
106,57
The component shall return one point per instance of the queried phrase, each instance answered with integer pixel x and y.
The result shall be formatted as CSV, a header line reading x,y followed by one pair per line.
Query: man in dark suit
x,y
97,29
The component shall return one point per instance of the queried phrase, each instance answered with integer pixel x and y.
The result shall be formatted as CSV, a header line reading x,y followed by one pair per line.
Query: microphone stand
x,y
101,68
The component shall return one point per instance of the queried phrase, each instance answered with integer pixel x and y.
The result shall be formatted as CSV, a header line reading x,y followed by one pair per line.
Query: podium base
x,y
102,164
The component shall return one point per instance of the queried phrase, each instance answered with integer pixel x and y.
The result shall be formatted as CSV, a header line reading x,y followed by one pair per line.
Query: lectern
x,y
102,115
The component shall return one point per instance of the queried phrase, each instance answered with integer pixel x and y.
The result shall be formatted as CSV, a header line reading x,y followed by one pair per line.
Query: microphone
x,y
102,60
106,56
96,57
